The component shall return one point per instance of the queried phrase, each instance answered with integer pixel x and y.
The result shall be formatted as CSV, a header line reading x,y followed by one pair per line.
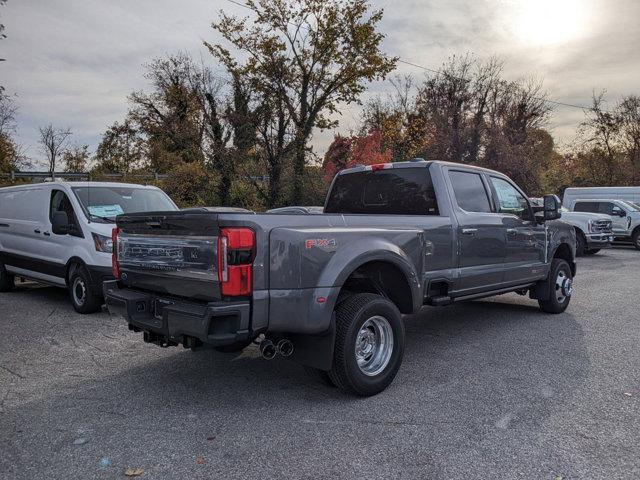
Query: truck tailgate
x,y
171,253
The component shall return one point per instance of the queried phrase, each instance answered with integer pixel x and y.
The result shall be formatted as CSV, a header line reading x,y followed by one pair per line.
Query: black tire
x,y
351,316
581,244
635,237
7,281
234,347
319,375
560,292
593,251
82,299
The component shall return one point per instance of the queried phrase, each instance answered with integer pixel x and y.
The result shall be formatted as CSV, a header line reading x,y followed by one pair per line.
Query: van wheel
x,y
369,344
7,281
560,287
82,299
636,238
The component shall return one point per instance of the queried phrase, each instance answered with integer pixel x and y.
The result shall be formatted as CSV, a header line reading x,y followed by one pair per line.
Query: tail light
x,y
236,247
115,268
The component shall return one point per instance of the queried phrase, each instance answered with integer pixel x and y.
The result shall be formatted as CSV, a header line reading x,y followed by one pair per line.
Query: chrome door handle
x,y
469,231
512,231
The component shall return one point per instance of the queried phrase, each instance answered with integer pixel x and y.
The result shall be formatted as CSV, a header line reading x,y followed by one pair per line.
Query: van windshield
x,y
103,204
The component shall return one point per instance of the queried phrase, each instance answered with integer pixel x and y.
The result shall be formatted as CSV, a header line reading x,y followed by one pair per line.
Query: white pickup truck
x,y
593,230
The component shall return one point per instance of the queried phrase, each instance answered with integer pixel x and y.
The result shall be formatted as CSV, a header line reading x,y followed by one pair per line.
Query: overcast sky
x,y
73,62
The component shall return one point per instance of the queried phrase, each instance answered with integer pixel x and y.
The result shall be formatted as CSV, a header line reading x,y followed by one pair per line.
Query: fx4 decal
x,y
324,243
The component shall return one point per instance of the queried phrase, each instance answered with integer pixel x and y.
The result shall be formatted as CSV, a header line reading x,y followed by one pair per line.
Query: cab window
x,y
510,200
591,207
60,203
470,193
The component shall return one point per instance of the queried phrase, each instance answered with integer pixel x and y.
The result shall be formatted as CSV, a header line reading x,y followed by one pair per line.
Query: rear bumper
x,y
599,240
167,321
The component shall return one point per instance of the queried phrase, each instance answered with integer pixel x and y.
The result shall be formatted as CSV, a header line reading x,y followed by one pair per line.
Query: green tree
x,y
76,158
304,58
121,149
9,151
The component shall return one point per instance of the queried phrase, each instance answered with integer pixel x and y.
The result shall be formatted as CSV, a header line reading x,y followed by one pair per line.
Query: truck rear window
x,y
394,191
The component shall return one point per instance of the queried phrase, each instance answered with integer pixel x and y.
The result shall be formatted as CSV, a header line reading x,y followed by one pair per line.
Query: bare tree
x,y
52,143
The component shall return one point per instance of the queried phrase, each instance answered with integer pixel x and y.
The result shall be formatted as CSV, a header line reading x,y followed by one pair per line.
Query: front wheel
x,y
369,344
560,287
82,299
7,281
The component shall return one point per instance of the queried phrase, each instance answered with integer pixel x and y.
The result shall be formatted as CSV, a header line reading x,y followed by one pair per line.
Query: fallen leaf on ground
x,y
200,460
211,439
628,394
133,472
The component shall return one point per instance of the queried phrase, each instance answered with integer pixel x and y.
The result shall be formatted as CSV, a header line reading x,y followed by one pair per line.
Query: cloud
x,y
73,63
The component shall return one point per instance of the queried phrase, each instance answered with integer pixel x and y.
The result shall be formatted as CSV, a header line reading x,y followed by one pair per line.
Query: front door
x,y
619,220
481,238
526,239
59,246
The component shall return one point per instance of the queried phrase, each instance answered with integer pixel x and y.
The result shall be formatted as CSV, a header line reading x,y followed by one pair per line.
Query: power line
x,y
432,70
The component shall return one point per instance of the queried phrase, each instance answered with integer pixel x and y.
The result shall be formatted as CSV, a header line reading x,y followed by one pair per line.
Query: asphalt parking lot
x,y
488,389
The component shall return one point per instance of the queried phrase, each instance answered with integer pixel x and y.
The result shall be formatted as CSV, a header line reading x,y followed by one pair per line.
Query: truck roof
x,y
416,162
60,183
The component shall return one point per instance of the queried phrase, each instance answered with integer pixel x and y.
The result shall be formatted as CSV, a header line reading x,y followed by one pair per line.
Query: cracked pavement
x,y
488,389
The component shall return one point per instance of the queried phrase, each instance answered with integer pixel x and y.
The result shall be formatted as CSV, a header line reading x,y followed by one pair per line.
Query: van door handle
x,y
37,230
46,234
469,231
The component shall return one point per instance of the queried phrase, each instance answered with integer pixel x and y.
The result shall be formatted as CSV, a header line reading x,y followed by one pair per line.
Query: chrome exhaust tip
x,y
285,347
267,349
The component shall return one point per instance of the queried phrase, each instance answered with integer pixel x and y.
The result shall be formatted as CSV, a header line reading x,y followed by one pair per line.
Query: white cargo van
x,y
59,233
572,194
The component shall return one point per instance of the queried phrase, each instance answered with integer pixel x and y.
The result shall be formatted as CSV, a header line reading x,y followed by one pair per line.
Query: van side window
x,y
510,200
591,207
470,193
61,203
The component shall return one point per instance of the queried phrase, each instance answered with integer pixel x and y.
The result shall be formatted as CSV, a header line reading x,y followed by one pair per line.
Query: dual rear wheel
x,y
369,345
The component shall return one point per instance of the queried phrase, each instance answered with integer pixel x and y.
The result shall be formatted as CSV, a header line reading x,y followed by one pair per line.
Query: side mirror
x,y
60,223
551,205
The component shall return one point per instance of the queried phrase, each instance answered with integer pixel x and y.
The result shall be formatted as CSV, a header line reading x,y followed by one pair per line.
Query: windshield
x,y
103,204
635,206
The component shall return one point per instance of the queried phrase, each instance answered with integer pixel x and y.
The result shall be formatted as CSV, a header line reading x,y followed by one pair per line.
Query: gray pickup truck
x,y
328,290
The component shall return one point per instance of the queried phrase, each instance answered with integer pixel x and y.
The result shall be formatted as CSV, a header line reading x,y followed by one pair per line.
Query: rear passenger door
x,y
480,234
526,239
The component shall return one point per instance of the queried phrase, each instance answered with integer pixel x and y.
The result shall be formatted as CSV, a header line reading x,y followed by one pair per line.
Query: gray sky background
x,y
74,62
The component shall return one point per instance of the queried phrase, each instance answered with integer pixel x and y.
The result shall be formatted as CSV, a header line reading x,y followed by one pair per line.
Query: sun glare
x,y
550,22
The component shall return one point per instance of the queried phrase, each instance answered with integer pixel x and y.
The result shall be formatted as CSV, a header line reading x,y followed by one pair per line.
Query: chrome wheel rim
x,y
79,291
564,286
374,345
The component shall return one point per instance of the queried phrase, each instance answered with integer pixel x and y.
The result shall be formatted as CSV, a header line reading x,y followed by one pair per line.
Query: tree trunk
x,y
298,173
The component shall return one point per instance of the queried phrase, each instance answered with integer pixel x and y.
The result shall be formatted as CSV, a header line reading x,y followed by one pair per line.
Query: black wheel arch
x,y
73,264
564,251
